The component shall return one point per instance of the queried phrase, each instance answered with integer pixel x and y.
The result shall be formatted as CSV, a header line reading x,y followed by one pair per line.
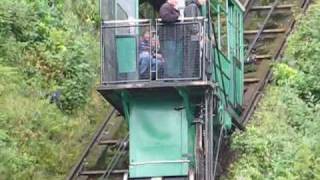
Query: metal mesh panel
x,y
180,49
126,53
134,50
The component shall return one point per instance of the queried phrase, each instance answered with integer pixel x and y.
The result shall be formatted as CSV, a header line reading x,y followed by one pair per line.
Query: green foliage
x,y
303,54
37,140
280,143
45,47
282,140
48,46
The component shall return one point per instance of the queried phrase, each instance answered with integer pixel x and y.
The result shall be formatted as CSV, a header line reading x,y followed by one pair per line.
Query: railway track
x,y
104,149
261,50
110,155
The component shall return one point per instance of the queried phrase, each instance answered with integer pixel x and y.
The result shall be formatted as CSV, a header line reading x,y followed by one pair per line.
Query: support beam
x,y
235,118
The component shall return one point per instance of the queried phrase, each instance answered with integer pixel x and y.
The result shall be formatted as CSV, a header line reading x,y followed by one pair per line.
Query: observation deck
x,y
153,58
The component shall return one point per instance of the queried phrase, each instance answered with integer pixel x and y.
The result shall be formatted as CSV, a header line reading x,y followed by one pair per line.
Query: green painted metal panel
x,y
126,54
159,136
229,29
225,68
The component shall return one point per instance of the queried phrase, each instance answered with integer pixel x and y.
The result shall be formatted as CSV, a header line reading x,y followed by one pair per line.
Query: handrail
x,y
150,20
126,21
186,18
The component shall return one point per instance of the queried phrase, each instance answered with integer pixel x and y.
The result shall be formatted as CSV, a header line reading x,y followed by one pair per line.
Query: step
x,y
266,31
109,142
112,142
280,7
265,56
251,80
101,172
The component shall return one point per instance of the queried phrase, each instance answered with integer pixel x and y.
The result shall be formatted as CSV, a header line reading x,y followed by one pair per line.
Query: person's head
x,y
173,2
146,36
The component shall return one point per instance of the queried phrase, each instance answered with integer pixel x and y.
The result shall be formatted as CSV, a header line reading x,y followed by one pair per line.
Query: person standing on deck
x,y
192,8
171,40
191,63
168,11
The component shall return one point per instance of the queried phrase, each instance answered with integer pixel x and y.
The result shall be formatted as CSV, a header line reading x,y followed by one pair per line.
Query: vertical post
x,y
219,25
101,47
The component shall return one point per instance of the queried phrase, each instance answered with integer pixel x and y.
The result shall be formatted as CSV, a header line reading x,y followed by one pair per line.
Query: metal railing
x,y
142,51
119,50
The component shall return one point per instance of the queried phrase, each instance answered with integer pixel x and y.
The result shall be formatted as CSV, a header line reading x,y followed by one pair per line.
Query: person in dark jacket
x,y
171,40
168,11
192,8
191,63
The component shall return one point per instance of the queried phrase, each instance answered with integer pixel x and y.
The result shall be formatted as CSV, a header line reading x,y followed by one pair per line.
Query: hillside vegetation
x,y
49,63
282,140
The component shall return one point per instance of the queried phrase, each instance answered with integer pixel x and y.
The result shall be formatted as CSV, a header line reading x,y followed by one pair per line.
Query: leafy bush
x,y
39,39
303,54
282,140
37,140
46,48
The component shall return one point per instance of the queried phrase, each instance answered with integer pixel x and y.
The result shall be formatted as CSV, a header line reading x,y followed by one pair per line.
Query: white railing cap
x,y
186,18
127,21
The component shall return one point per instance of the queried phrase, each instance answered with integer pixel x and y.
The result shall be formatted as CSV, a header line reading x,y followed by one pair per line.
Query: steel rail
x,y
248,4
116,158
78,167
218,150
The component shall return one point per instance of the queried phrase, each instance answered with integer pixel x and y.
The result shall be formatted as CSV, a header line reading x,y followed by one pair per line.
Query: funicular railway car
x,y
179,86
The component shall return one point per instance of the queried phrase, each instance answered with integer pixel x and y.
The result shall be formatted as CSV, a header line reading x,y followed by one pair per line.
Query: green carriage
x,y
178,109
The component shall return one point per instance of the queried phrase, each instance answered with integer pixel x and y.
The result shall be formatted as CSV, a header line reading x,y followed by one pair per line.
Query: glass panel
x,y
126,56
126,9
107,9
118,9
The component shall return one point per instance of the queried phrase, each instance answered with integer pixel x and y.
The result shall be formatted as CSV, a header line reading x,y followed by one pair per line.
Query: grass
x,y
37,140
281,141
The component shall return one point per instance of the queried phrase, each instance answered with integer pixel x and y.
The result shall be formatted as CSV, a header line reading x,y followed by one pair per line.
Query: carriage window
x,y
107,10
118,9
126,9
121,13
